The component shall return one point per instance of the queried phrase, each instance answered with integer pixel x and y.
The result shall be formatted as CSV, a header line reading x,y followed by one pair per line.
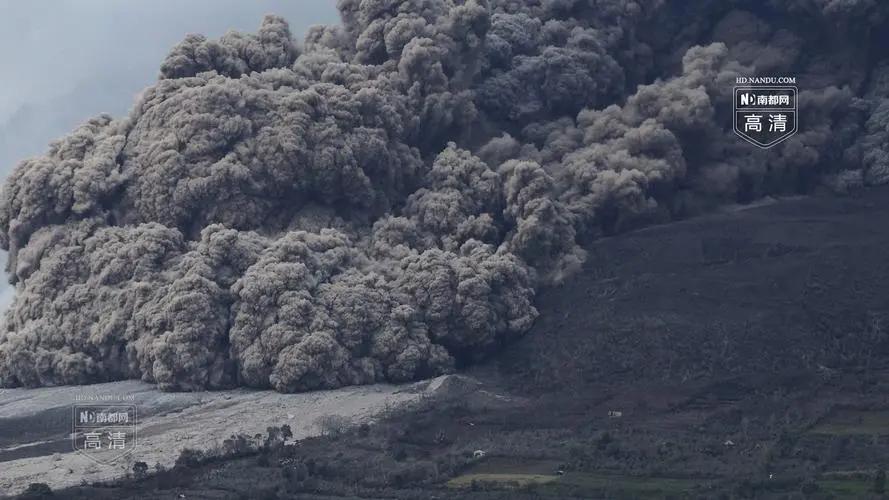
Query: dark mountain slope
x,y
794,285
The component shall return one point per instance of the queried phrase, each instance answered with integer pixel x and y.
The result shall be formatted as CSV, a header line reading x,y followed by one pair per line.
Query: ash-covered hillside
x,y
791,290
383,200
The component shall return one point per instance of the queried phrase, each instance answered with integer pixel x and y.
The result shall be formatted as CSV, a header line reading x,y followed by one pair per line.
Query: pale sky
x,y
64,61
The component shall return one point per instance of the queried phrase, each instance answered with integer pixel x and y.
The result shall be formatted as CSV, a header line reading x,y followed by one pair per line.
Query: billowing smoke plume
x,y
381,201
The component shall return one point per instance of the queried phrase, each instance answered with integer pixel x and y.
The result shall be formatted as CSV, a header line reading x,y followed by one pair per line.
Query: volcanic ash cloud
x,y
382,201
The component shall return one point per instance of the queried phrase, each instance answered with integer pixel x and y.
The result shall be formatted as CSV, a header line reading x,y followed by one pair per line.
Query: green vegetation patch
x,y
846,488
635,486
505,481
854,422
629,484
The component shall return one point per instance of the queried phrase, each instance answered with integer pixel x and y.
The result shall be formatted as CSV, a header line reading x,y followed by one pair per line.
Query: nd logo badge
x,y
104,433
765,116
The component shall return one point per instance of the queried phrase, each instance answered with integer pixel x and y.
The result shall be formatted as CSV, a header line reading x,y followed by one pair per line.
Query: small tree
x,y
880,481
286,432
38,490
189,457
237,445
333,425
273,438
277,436
140,469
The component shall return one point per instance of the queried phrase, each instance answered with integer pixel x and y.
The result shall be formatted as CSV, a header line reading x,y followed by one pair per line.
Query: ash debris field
x,y
35,424
713,400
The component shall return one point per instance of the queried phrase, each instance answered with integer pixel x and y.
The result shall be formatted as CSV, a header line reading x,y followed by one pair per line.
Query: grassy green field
x,y
846,488
635,485
854,422
500,480
517,475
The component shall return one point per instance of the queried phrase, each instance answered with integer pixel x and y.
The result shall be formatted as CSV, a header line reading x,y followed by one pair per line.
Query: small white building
x,y
478,454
